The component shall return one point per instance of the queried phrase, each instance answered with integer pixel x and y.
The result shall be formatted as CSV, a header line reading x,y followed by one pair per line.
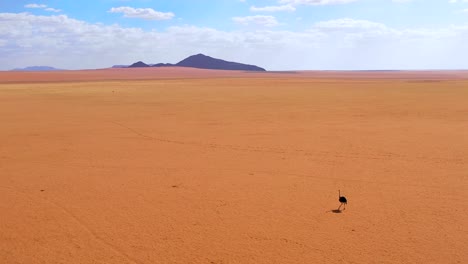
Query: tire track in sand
x,y
78,221
316,155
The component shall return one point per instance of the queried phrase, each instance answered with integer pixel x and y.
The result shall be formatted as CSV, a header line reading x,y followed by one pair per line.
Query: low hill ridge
x,y
138,64
202,61
37,68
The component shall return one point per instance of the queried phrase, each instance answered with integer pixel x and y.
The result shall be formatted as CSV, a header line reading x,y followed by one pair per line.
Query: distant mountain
x,y
201,61
206,62
120,66
163,65
139,64
37,68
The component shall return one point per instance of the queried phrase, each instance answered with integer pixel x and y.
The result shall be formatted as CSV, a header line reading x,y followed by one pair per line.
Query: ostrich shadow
x,y
336,211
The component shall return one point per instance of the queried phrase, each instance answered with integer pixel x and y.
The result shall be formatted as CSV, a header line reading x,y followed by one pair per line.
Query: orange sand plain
x,y
241,168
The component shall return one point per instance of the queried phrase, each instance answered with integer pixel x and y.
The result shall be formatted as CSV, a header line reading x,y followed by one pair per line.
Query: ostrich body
x,y
342,200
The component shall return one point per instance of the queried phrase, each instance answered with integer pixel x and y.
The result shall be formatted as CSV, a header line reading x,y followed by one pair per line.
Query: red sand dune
x,y
198,166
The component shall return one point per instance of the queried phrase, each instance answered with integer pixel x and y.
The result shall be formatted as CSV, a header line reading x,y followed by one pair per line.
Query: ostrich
x,y
342,200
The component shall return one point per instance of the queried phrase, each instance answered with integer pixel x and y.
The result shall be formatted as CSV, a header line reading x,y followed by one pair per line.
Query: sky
x,y
274,34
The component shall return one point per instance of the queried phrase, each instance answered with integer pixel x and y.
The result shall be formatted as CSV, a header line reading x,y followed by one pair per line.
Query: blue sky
x,y
275,34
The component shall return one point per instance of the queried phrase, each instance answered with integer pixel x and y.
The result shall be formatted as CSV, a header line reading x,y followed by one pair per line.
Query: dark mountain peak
x,y
199,55
139,64
203,61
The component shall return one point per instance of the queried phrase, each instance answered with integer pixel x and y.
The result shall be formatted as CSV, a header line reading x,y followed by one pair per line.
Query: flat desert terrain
x,y
147,166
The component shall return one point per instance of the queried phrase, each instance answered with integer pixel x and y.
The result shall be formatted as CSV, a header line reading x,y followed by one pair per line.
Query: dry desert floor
x,y
233,169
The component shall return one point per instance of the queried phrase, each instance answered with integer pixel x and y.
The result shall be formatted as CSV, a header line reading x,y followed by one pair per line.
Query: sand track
x,y
79,223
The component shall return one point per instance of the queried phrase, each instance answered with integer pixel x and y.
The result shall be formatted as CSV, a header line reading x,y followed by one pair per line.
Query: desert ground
x,y
190,166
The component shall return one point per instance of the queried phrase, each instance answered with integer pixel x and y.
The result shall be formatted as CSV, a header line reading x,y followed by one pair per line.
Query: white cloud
x,y
50,9
315,2
64,42
143,13
268,21
290,5
349,24
44,7
289,8
35,6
